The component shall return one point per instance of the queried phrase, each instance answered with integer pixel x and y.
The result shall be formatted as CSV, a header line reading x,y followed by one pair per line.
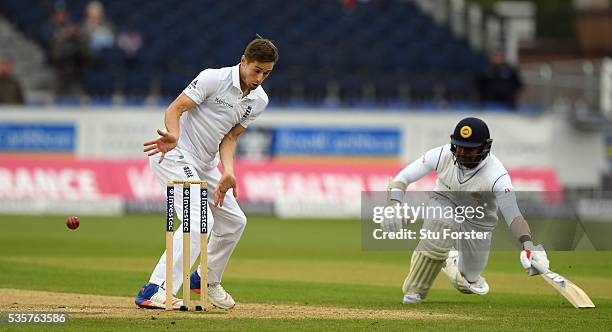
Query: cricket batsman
x,y
207,119
468,175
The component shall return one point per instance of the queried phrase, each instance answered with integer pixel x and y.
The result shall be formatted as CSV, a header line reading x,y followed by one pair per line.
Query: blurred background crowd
x,y
334,52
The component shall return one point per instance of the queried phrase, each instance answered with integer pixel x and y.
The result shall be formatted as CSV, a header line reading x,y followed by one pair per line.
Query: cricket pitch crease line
x,y
88,305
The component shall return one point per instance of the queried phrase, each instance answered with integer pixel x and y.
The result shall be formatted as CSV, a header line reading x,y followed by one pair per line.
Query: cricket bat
x,y
577,297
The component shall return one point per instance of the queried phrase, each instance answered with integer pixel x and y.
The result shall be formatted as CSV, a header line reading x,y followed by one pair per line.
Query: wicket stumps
x,y
186,191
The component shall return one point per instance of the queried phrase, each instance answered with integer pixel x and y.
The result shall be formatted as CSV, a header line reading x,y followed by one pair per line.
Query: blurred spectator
x,y
97,31
68,53
500,82
10,89
130,41
350,4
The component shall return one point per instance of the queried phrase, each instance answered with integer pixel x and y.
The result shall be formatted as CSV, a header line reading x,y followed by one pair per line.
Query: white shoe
x,y
219,297
412,299
450,267
480,287
451,270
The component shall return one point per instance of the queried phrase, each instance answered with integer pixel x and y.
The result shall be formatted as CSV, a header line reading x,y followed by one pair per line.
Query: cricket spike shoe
x,y
480,287
450,267
152,296
219,297
412,299
194,282
216,294
457,279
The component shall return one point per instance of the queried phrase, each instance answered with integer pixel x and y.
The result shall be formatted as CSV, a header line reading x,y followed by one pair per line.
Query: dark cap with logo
x,y
470,133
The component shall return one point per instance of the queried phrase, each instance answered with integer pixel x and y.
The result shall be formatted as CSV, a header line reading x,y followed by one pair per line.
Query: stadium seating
x,y
380,51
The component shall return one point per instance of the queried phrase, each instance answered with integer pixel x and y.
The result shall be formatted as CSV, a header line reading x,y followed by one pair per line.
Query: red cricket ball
x,y
72,222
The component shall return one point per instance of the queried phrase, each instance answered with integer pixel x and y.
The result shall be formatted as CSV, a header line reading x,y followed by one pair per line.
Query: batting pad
x,y
436,248
423,272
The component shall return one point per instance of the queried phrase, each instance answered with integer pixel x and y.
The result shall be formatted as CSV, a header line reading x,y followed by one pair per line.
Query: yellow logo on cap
x,y
466,131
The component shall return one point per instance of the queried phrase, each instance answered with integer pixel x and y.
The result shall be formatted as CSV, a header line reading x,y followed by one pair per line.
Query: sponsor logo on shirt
x,y
188,171
193,84
247,113
223,102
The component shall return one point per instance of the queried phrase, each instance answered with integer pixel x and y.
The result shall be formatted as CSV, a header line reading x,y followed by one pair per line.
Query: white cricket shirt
x,y
489,183
220,107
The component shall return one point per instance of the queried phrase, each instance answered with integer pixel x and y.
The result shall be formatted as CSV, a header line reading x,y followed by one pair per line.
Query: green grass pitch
x,y
308,263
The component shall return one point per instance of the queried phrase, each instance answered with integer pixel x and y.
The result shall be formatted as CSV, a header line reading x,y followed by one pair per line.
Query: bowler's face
x,y
255,72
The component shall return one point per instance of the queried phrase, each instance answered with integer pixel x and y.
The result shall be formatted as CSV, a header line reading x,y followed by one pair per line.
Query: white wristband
x,y
528,245
396,195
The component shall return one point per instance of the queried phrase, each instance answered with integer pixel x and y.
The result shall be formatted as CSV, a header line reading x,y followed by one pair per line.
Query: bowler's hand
x,y
227,182
164,143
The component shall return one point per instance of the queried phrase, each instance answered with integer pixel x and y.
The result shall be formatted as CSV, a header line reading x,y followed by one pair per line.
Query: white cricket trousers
x,y
473,253
225,224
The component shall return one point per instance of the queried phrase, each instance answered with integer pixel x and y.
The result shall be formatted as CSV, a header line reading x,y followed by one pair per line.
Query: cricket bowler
x,y
207,119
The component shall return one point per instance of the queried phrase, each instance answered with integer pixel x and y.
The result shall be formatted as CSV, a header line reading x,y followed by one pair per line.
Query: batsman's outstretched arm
x,y
533,258
413,172
168,139
398,185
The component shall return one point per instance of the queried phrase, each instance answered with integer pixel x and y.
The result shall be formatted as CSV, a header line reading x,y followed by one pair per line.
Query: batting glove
x,y
534,259
391,225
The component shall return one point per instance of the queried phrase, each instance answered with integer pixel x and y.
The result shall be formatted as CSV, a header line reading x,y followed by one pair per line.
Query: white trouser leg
x,y
473,254
173,169
229,224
